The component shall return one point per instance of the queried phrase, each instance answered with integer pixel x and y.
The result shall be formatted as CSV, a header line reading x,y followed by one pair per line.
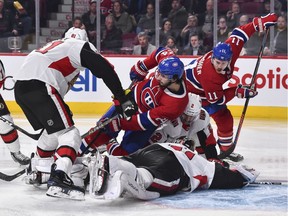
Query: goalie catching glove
x,y
127,107
245,92
264,22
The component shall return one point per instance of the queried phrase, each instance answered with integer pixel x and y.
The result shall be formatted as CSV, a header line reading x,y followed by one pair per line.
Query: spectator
x,y
89,21
223,30
191,28
170,41
280,40
243,20
111,37
147,22
195,7
77,23
122,19
233,15
178,16
194,47
7,25
277,7
25,13
135,8
106,7
144,47
165,32
206,20
207,17
171,44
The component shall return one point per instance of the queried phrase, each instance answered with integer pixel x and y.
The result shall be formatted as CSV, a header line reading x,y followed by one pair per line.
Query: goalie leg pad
x,y
135,190
98,169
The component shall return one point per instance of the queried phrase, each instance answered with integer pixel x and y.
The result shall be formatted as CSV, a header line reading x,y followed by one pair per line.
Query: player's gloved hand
x,y
245,92
138,72
127,106
264,22
113,126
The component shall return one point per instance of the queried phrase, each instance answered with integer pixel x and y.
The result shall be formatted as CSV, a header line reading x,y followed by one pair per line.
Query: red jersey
x,y
202,78
155,104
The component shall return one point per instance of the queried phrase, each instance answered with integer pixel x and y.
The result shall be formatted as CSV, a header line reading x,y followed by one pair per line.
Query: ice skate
x,y
248,173
20,158
60,185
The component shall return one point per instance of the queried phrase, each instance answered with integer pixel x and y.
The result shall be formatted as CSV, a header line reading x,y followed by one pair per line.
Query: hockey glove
x,y
126,108
138,72
264,22
113,126
245,92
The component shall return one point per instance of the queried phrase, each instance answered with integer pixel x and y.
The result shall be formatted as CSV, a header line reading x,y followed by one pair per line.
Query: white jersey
x,y
199,170
58,63
173,130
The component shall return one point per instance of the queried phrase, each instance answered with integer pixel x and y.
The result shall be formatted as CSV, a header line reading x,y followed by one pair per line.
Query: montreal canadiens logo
x,y
148,98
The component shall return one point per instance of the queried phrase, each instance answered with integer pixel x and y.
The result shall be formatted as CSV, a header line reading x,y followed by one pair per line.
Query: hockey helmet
x,y
222,51
76,33
172,67
194,105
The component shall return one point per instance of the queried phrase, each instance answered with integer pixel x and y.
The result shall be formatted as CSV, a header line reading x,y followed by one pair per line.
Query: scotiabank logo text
x,y
85,82
276,78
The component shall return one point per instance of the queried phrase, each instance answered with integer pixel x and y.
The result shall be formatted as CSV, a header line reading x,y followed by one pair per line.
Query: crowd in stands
x,y
186,26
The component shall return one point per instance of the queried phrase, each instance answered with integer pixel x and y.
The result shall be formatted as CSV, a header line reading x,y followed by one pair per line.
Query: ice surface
x,y
263,143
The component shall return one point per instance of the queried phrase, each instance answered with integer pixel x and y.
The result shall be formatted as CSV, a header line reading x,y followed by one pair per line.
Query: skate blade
x,y
59,192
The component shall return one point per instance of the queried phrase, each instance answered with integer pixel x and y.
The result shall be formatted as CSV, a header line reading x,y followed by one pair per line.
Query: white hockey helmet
x,y
194,105
76,33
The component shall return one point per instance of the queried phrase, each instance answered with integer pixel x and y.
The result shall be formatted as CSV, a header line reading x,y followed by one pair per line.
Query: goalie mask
x,y
192,109
76,33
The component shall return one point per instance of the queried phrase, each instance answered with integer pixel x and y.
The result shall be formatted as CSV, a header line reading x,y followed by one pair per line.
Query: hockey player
x,y
156,98
8,134
162,169
192,127
207,74
43,80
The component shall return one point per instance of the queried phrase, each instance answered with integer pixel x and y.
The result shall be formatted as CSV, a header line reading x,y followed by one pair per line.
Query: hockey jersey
x,y
59,62
155,104
202,78
173,130
199,170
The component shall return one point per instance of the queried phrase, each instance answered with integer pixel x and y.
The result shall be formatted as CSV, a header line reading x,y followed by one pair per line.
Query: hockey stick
x,y
102,124
225,154
99,126
33,136
11,177
268,182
